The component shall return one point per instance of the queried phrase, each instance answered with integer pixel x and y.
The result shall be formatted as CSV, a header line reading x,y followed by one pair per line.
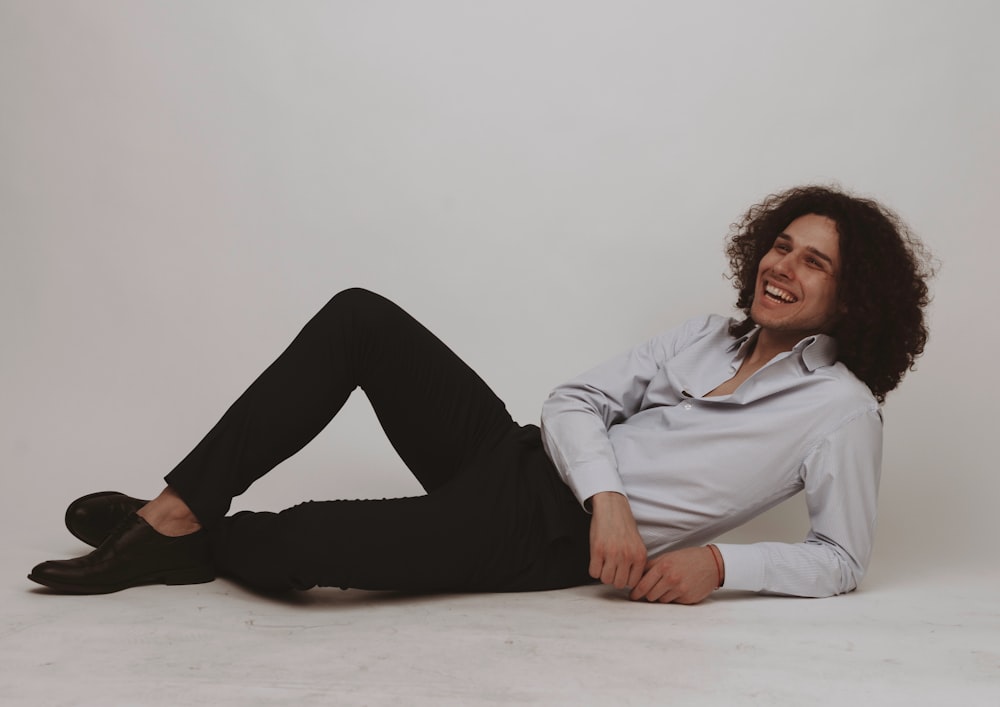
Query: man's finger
x,y
669,596
643,586
608,573
635,576
596,566
622,575
652,585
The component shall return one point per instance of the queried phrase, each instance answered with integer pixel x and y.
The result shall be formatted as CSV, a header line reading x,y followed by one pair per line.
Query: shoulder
x,y
846,396
705,328
820,365
693,338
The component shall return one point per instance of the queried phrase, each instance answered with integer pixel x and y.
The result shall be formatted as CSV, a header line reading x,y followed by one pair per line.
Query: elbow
x,y
851,579
848,578
836,571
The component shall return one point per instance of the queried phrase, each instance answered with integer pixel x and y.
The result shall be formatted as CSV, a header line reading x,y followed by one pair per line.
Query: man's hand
x,y
684,576
617,553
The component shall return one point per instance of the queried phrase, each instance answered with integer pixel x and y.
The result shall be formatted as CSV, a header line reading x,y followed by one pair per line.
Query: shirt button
x,y
687,406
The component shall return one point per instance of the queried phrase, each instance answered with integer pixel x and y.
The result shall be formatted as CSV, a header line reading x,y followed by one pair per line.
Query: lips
x,y
776,294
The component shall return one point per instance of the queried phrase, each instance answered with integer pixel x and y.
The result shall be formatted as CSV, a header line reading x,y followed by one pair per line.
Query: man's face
x,y
796,293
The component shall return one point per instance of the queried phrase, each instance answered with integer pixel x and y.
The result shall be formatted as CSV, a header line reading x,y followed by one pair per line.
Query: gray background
x,y
543,183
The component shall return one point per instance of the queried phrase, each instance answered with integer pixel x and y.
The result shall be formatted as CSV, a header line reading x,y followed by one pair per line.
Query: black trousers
x,y
496,516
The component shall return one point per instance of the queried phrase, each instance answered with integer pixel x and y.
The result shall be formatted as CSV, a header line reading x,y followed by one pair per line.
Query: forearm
x,y
578,416
808,569
581,451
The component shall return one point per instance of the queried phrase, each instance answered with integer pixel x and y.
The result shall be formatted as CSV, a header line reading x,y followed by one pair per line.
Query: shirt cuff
x,y
744,567
590,479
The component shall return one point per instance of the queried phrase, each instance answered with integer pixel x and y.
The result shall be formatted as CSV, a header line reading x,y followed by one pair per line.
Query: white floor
x,y
910,637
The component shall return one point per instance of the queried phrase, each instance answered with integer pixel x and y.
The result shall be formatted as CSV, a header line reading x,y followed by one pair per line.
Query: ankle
x,y
171,527
168,514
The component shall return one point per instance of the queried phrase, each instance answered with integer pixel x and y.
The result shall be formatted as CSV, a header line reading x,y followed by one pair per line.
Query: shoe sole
x,y
170,579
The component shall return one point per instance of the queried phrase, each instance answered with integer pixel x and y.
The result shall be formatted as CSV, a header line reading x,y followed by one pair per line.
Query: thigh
x,y
349,544
413,544
437,412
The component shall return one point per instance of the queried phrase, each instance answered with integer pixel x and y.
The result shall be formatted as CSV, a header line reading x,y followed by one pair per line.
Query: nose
x,y
782,266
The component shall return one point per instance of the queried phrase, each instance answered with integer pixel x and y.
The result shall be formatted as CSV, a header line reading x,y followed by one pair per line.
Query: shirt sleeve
x,y
841,478
578,414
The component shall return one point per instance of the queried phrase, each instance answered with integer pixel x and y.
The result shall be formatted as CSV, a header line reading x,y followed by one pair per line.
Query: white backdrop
x,y
543,183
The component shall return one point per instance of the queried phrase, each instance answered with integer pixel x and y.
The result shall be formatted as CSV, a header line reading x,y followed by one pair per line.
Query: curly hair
x,y
882,288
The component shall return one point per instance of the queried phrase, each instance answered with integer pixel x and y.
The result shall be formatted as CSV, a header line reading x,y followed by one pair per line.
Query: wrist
x,y
605,499
720,565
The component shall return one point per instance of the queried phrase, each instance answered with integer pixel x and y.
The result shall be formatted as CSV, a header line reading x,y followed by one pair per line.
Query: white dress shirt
x,y
694,467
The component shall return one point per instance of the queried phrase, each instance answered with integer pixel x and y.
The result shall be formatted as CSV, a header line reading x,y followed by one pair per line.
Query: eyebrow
x,y
818,253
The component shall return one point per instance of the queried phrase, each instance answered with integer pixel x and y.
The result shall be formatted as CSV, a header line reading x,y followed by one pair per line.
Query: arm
x,y
575,423
841,487
841,478
577,416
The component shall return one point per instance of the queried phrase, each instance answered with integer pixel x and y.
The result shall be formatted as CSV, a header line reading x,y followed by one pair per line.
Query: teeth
x,y
780,294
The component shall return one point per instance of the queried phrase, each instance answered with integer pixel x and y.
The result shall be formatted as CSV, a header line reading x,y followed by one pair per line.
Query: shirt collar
x,y
816,351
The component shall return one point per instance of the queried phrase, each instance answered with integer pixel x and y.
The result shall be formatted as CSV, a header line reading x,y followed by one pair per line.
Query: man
x,y
638,464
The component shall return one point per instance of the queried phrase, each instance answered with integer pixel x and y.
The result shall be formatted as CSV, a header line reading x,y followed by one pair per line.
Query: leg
x,y
507,524
437,413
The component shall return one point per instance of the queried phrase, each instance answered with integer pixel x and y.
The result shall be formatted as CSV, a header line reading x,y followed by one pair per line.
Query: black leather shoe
x,y
134,554
91,518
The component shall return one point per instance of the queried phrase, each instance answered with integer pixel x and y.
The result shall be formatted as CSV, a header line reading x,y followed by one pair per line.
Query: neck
x,y
769,344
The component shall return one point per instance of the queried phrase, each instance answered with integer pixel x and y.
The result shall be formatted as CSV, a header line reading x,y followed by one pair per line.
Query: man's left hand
x,y
683,576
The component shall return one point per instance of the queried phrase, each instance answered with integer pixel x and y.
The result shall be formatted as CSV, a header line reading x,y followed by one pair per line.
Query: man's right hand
x,y
617,553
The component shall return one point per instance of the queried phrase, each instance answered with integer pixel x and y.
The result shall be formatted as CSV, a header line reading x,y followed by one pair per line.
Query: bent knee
x,y
355,298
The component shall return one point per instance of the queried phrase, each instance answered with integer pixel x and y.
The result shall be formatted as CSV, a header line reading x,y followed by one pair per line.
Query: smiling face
x,y
796,291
